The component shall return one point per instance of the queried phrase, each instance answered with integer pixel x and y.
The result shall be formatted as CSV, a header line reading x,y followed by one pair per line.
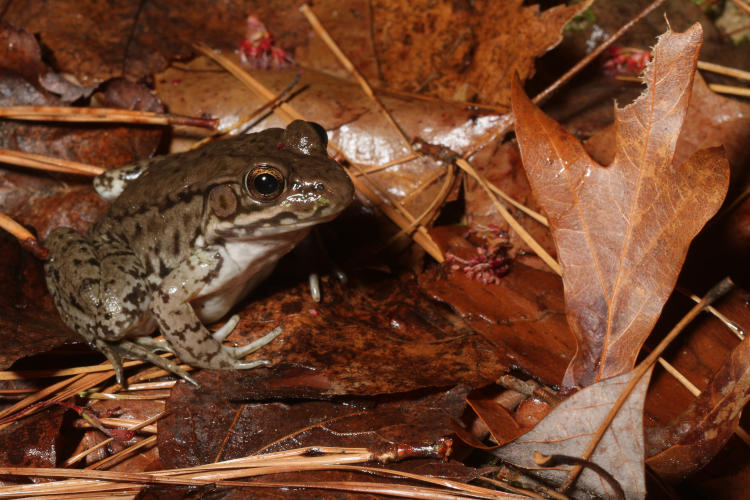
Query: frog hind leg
x,y
99,289
180,325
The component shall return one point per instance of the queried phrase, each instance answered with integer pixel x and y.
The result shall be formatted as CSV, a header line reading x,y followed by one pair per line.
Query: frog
x,y
186,237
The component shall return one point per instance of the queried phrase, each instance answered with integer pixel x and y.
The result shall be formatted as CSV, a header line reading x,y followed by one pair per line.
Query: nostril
x,y
319,186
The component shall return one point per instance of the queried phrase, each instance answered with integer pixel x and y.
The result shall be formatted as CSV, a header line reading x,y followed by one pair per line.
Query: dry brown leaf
x,y
622,232
568,429
452,47
711,120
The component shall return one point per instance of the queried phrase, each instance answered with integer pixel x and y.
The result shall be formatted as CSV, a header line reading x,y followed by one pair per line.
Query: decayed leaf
x,y
697,435
34,441
454,46
97,41
204,426
29,322
568,429
622,232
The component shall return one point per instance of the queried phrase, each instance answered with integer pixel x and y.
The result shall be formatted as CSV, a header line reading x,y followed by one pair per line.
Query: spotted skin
x,y
188,236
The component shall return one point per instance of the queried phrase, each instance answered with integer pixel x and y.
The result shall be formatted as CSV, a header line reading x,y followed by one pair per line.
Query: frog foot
x,y
143,349
240,352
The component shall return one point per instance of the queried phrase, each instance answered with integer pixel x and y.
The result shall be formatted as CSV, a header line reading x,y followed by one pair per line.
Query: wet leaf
x,y
711,120
568,429
136,39
190,434
622,231
690,441
33,441
522,315
28,319
374,335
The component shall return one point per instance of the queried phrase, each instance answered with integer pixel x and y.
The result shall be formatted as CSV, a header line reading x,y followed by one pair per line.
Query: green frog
x,y
187,236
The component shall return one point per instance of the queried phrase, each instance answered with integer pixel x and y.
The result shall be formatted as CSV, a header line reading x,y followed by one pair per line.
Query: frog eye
x,y
264,183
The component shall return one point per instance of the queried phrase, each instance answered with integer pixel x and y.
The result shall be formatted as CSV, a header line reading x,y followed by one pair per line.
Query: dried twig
x,y
512,222
102,115
43,162
724,70
347,64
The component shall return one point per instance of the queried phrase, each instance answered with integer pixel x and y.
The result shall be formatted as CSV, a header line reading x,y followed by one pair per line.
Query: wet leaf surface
x,y
269,418
34,441
522,316
693,438
622,231
378,334
28,319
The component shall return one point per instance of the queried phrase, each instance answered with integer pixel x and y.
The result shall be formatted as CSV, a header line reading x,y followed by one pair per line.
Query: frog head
x,y
287,185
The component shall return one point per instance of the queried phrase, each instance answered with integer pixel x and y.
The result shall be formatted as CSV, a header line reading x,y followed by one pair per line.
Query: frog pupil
x,y
266,184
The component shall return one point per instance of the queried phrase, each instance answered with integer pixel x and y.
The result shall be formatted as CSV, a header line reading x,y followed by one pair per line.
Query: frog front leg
x,y
184,331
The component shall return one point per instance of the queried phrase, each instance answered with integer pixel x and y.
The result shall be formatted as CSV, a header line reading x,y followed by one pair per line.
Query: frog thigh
x,y
180,325
98,287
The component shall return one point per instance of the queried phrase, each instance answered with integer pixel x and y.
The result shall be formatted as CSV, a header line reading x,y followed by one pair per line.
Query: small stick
x,y
729,89
385,166
123,454
724,70
27,240
286,112
347,64
501,108
553,460
731,325
268,105
715,293
742,6
523,208
715,87
43,162
98,115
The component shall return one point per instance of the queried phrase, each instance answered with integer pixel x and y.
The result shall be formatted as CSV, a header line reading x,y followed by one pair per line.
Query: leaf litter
x,y
496,360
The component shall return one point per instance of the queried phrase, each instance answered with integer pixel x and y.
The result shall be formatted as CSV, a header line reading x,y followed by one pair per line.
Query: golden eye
x,y
264,183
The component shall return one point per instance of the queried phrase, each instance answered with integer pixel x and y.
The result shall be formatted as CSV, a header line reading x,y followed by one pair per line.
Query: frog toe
x,y
112,354
239,352
154,345
223,332
248,365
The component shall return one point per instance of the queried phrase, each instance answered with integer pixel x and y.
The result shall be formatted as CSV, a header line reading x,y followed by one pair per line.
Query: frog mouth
x,y
280,223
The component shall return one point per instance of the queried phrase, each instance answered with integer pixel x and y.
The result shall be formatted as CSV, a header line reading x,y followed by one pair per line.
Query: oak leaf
x,y
569,428
622,231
